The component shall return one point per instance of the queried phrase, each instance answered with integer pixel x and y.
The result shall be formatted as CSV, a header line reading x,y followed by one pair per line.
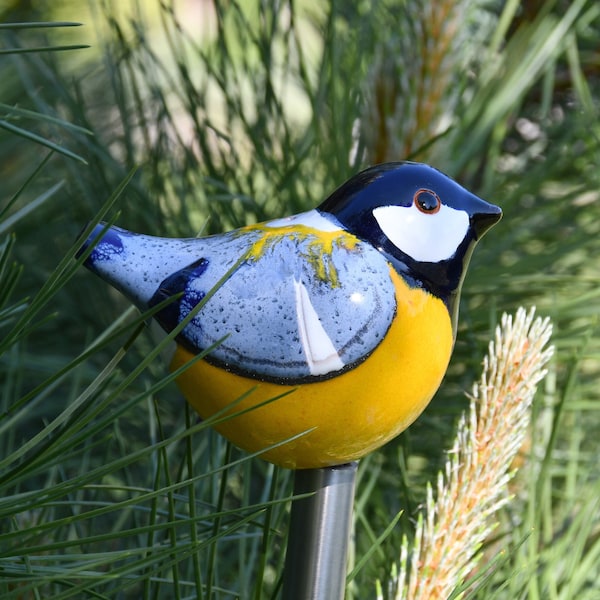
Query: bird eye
x,y
427,202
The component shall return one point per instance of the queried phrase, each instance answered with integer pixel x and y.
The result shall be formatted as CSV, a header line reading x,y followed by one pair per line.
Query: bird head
x,y
425,223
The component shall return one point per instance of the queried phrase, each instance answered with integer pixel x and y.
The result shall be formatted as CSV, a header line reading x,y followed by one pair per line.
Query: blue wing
x,y
301,306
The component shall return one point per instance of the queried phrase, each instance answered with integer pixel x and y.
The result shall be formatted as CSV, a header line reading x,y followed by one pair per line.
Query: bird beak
x,y
486,216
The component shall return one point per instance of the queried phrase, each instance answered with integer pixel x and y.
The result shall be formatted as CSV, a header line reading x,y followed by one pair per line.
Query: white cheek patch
x,y
424,237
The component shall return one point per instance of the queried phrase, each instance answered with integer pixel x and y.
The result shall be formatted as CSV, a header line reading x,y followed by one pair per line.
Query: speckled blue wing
x,y
302,306
304,299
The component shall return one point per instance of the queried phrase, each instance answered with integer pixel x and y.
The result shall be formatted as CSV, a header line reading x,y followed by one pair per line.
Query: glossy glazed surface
x,y
352,414
348,311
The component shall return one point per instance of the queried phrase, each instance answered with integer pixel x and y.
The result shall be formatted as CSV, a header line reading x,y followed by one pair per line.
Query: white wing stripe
x,y
321,355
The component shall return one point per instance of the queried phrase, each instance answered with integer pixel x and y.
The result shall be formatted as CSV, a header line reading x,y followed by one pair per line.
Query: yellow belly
x,y
348,416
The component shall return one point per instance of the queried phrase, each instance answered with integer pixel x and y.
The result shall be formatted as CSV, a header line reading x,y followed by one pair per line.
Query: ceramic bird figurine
x,y
346,314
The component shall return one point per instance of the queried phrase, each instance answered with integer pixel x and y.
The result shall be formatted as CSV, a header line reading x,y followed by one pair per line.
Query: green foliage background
x,y
109,486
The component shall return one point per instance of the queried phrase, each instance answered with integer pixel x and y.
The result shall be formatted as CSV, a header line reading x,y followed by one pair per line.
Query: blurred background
x,y
233,112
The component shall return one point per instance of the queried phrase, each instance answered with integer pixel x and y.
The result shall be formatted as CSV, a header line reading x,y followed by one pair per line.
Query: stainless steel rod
x,y
317,550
